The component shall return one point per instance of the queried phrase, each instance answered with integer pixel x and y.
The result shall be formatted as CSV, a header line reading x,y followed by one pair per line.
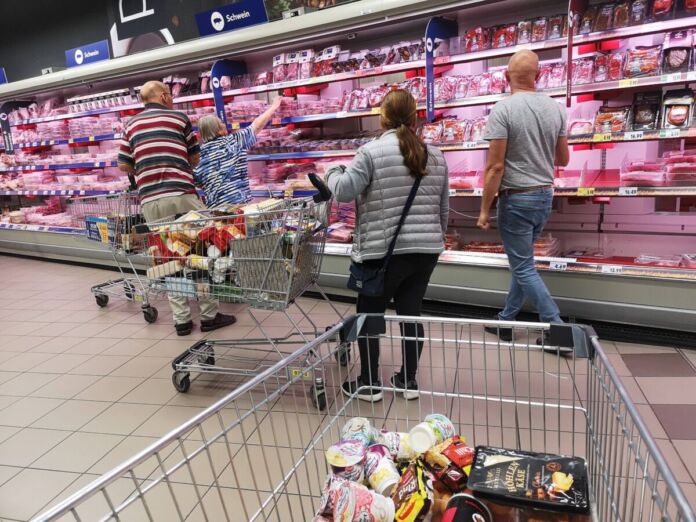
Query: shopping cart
x,y
258,453
111,220
265,255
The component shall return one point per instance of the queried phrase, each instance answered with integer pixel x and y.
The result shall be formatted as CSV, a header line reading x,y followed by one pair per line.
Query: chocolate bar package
x,y
542,480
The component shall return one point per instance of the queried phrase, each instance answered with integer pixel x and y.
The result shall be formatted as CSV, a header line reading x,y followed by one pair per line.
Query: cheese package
x,y
179,248
167,269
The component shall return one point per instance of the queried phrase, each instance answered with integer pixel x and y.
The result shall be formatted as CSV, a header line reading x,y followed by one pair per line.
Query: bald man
x,y
160,149
527,135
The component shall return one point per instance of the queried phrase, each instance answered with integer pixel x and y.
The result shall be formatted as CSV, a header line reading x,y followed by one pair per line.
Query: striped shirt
x,y
222,171
157,143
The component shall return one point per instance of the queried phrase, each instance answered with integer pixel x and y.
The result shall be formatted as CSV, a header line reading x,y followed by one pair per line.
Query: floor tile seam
x,y
59,497
132,432
689,361
57,376
689,472
19,470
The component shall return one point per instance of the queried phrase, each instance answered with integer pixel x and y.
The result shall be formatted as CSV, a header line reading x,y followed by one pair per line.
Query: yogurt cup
x,y
398,445
433,430
347,459
356,503
380,470
359,428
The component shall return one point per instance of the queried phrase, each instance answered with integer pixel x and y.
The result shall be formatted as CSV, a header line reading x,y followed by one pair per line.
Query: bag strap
x,y
407,207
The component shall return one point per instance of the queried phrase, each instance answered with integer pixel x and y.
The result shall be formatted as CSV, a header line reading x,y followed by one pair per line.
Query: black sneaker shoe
x,y
220,321
364,392
504,334
184,328
409,388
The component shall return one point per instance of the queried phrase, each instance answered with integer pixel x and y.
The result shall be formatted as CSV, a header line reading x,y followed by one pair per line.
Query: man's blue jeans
x,y
521,219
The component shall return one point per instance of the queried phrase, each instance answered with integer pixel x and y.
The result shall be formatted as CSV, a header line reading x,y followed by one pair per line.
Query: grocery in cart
x,y
499,431
111,220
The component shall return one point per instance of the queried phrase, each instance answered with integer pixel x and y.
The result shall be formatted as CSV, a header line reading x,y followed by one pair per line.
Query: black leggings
x,y
406,281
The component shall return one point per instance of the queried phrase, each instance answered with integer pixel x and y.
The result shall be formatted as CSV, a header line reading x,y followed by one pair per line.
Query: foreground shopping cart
x,y
258,453
111,220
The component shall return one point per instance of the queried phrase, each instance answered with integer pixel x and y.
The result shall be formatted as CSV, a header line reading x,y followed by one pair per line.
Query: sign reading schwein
x,y
231,17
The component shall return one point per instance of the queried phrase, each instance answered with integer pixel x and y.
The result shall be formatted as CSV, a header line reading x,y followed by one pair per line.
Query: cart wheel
x,y
343,356
181,381
102,300
150,314
128,290
318,398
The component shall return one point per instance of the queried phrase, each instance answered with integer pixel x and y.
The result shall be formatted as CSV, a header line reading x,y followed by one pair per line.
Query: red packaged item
x,y
462,88
452,131
612,119
642,61
524,32
601,64
556,26
443,89
329,58
539,29
676,56
477,129
431,132
498,82
279,68
605,17
557,78
504,36
588,20
474,86
662,9
476,40
542,82
677,108
292,67
306,64
484,86
377,94
621,14
615,66
689,6
583,70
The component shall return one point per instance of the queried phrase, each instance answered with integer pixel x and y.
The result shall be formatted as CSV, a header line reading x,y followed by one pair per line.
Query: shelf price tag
x,y
586,191
669,78
628,191
468,145
691,77
612,269
601,137
439,60
633,135
288,193
558,265
670,133
478,191
452,192
628,82
376,110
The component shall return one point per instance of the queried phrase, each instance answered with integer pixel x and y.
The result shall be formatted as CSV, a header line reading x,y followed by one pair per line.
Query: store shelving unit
x,y
582,286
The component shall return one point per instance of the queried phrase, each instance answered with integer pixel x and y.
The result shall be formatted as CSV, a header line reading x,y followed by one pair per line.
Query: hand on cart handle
x,y
324,192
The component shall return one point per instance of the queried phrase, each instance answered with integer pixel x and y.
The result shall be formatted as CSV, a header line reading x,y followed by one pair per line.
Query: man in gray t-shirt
x,y
527,135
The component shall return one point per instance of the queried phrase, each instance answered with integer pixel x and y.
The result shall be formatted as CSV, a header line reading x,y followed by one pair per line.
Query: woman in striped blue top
x,y
222,170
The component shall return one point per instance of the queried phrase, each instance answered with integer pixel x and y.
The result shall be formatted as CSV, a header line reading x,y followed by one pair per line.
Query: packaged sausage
x,y
642,61
612,119
580,127
615,66
542,82
601,68
476,40
583,70
690,6
677,109
662,9
504,36
588,20
431,132
539,26
558,75
646,110
556,27
498,82
524,32
638,12
621,14
676,56
462,88
484,85
604,19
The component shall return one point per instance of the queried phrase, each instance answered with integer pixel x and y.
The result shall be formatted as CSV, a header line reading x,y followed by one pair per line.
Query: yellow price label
x,y
52,142
586,191
288,193
376,110
299,372
91,138
601,136
629,82
71,140
235,125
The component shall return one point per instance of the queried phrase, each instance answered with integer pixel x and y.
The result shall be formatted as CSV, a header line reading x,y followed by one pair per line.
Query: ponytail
x,y
398,111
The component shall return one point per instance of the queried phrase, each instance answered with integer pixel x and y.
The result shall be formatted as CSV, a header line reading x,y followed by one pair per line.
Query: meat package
x,y
539,27
601,65
677,109
642,174
605,18
583,71
444,88
646,110
615,66
690,6
642,61
662,9
504,36
454,131
476,40
555,29
524,32
638,12
587,21
551,76
580,127
676,55
612,119
658,260
621,14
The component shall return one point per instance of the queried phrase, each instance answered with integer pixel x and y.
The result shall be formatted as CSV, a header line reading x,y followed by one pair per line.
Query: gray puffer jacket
x,y
380,183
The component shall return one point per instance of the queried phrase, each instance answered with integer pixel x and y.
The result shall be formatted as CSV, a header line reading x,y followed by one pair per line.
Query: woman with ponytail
x,y
381,179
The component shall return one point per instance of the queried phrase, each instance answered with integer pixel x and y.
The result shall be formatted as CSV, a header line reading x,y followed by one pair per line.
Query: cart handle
x,y
324,192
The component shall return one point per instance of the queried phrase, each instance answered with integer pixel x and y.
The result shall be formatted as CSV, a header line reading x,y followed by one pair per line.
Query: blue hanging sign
x,y
438,29
3,75
231,17
93,52
223,68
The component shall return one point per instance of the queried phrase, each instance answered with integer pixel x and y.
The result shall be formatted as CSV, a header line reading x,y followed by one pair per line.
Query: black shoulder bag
x,y
369,281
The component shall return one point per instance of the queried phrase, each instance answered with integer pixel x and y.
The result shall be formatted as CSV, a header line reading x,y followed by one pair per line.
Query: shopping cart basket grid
x,y
273,467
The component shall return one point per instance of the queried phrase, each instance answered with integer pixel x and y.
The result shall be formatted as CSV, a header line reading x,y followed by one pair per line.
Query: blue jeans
x,y
521,218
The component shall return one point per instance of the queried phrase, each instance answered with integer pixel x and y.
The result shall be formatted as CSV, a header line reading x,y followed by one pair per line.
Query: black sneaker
x,y
184,328
220,321
409,388
504,334
365,392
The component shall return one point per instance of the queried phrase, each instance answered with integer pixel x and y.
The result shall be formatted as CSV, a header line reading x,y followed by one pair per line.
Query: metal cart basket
x,y
111,220
258,453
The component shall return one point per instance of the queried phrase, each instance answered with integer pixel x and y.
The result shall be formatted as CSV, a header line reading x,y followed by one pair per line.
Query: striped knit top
x,y
222,171
157,143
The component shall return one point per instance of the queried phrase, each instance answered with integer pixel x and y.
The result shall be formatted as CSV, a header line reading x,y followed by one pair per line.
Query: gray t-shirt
x,y
531,122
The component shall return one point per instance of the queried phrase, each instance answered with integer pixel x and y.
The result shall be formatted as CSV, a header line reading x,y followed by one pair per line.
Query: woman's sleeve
x,y
244,139
347,183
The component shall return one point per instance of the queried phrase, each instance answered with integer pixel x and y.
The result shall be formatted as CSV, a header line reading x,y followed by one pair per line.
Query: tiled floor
x,y
82,389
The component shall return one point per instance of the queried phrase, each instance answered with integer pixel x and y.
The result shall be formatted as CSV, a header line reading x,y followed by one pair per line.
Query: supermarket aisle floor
x,y
83,388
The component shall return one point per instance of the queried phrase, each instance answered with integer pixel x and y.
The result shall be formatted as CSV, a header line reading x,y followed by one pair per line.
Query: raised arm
x,y
260,123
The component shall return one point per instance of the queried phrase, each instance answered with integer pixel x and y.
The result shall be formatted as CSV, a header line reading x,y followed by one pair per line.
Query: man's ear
x,y
507,75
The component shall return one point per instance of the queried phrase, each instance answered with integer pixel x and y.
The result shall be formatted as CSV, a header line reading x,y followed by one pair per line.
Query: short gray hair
x,y
209,126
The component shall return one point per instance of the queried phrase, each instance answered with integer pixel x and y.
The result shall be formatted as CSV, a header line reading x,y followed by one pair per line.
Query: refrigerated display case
x,y
623,232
